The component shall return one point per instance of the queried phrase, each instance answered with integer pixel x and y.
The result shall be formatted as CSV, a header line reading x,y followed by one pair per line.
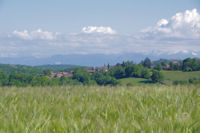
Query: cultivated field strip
x,y
98,109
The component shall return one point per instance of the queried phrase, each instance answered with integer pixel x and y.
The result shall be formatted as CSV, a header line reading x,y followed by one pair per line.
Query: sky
x,y
68,16
43,28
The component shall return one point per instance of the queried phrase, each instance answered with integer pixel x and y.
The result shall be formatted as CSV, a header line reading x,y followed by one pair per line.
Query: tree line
x,y
119,71
22,80
81,76
186,65
144,69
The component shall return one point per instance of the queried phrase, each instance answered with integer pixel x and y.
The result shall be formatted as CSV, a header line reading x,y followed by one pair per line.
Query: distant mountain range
x,y
57,67
92,59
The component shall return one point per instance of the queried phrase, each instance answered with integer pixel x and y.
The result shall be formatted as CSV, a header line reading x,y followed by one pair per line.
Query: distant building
x,y
105,68
60,74
167,67
70,74
91,71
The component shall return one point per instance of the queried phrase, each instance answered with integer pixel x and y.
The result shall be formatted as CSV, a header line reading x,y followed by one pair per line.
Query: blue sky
x,y
44,28
68,16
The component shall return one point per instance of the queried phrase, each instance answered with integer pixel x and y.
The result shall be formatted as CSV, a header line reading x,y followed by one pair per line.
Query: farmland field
x,y
171,76
133,81
94,109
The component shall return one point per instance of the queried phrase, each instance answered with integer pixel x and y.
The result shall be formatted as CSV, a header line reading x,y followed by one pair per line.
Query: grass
x,y
171,76
133,81
100,109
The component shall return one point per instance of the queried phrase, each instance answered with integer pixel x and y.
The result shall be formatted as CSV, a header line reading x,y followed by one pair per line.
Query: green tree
x,y
45,81
158,67
47,72
129,70
190,64
36,80
82,76
117,72
102,78
4,79
147,63
157,77
137,71
145,73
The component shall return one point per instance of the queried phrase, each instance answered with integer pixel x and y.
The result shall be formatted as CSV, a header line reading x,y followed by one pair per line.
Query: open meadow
x,y
94,109
171,76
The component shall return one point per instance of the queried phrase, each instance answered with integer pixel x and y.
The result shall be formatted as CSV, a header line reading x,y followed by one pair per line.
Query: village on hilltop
x,y
96,69
70,74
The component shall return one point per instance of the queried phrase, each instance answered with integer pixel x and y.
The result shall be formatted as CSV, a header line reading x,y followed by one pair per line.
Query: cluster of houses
x,y
60,74
168,67
70,74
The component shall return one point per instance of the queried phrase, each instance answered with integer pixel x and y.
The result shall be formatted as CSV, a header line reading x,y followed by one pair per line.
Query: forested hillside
x,y
61,67
9,69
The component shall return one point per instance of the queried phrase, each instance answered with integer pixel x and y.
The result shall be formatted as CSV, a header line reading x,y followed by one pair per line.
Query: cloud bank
x,y
102,30
178,34
36,34
182,25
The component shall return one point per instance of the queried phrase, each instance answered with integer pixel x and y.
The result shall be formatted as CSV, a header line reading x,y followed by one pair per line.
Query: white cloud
x,y
162,22
95,44
102,30
179,34
36,34
182,25
195,54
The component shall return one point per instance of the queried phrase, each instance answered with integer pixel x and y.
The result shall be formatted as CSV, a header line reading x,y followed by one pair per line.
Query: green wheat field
x,y
95,109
